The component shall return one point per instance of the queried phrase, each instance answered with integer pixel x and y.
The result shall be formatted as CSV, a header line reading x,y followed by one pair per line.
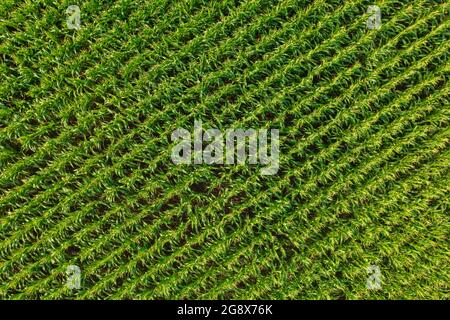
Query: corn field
x,y
88,187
